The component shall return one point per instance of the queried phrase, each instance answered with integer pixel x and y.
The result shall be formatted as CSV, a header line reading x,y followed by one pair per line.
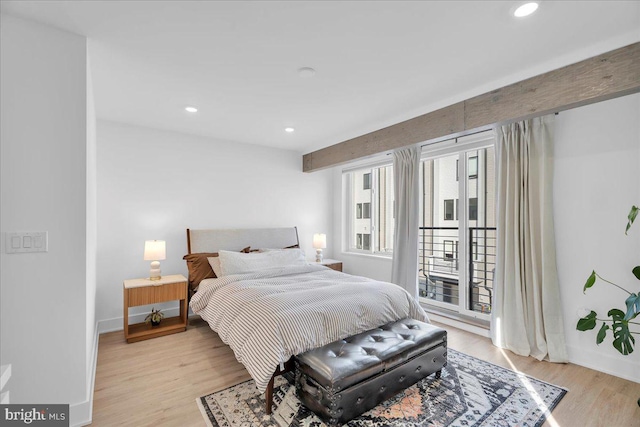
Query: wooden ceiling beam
x,y
610,75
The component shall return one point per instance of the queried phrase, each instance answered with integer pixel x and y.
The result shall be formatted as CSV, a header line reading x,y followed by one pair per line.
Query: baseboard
x,y
625,367
81,414
117,324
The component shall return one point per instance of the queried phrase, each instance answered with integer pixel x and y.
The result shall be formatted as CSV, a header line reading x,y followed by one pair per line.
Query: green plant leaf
x,y
590,282
633,213
615,313
623,341
588,322
636,272
633,306
602,333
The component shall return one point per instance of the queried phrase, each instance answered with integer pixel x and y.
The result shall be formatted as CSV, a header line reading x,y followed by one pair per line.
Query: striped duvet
x,y
269,316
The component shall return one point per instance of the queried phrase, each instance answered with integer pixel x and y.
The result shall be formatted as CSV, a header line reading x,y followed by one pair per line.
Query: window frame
x,y
349,238
462,146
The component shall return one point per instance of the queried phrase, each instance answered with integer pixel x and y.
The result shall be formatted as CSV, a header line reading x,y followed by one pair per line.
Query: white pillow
x,y
239,263
214,262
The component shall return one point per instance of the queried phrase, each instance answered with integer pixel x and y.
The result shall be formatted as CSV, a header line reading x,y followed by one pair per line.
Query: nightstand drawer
x,y
155,294
171,292
141,296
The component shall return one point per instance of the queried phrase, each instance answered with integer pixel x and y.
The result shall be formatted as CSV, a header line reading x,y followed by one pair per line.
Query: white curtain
x,y
406,185
526,316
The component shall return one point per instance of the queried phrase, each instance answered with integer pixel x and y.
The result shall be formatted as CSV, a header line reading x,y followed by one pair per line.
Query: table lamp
x,y
319,242
155,251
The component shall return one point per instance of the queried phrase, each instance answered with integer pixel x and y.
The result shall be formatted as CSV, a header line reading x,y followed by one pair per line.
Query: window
x,y
457,237
366,242
473,208
366,210
473,167
366,181
448,249
448,210
371,223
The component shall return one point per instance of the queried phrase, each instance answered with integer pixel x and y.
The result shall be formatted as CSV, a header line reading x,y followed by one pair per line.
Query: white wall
x,y
43,93
597,179
92,244
155,184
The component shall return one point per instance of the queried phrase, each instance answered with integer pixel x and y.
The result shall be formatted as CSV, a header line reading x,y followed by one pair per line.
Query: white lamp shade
x,y
155,250
319,241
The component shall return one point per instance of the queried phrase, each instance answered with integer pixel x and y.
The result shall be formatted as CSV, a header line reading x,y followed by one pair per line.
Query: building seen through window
x,y
372,213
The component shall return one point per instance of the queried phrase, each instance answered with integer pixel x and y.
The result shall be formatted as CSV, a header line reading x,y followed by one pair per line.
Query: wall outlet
x,y
27,241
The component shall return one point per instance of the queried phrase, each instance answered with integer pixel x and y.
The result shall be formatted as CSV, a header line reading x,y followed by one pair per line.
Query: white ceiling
x,y
377,62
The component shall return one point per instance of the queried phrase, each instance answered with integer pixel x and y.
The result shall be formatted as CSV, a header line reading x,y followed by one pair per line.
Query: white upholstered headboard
x,y
212,240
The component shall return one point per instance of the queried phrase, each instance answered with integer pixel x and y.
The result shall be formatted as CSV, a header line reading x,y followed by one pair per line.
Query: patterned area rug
x,y
471,392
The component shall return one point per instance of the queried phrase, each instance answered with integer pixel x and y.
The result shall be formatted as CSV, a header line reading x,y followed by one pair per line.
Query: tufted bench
x,y
346,378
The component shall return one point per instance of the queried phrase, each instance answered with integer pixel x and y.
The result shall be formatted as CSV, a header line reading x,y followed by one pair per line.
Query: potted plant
x,y
617,320
154,317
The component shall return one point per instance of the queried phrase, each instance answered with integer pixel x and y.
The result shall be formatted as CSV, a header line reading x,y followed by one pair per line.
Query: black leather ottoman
x,y
346,378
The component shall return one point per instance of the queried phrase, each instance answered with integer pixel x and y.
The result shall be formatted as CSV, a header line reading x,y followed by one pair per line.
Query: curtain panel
x,y
406,185
526,313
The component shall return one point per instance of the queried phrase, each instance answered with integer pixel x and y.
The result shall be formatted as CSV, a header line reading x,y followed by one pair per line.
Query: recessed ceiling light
x,y
191,109
290,130
525,10
306,72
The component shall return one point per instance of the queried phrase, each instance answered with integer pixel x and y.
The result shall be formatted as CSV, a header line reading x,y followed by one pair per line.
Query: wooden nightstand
x,y
333,264
144,292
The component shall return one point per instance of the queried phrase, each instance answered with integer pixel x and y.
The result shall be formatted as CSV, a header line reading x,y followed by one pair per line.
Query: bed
x,y
270,314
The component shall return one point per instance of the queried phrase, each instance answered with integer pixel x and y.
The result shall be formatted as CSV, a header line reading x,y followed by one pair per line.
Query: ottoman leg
x,y
438,374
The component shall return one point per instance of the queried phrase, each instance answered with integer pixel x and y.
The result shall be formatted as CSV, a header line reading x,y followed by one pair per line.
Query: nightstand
x,y
333,264
143,292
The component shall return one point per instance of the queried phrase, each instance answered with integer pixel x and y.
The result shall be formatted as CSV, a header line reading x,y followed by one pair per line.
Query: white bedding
x,y
269,316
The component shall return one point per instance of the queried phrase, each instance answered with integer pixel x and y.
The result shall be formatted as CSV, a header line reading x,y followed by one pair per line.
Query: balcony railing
x,y
439,265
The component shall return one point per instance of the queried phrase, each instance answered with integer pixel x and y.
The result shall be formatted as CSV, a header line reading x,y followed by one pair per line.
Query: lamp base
x,y
155,273
318,255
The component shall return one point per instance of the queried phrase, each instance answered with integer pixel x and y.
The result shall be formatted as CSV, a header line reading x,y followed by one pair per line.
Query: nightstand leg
x,y
126,314
184,310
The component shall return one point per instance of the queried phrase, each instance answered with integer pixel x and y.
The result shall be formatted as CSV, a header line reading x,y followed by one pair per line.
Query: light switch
x,y
27,241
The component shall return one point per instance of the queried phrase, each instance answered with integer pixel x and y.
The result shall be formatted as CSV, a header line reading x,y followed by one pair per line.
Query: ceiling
x,y
377,62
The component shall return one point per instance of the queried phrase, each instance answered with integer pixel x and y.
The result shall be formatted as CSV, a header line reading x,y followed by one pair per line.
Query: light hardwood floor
x,y
156,382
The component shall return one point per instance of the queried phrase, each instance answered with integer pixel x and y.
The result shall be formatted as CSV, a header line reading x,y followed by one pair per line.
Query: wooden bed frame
x,y
214,240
